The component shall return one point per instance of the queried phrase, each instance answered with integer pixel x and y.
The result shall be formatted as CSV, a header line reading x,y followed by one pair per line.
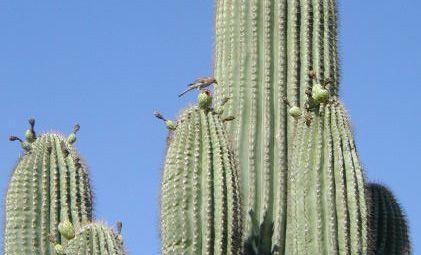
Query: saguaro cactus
x,y
388,228
200,204
49,184
94,239
264,52
327,211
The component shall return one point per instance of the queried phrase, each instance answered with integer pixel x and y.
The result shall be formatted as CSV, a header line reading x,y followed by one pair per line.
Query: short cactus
x,y
200,204
94,239
387,223
50,183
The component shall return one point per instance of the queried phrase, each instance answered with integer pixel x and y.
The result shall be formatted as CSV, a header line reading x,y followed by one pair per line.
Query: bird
x,y
200,84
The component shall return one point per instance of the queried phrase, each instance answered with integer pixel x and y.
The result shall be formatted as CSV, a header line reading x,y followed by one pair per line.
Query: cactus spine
x,y
327,210
264,52
388,228
49,184
200,205
95,239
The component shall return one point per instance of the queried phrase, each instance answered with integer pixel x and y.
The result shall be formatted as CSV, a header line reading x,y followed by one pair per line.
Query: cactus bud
x,y
58,248
204,99
295,111
320,94
30,133
72,137
25,145
66,229
170,125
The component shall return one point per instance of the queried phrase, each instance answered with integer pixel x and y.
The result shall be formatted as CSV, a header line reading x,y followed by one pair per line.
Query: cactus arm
x,y
43,190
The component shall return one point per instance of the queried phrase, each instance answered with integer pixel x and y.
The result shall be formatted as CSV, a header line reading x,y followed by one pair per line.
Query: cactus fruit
x,y
200,204
66,229
204,99
72,137
295,112
387,223
264,51
48,184
320,94
94,239
327,211
30,132
168,123
58,248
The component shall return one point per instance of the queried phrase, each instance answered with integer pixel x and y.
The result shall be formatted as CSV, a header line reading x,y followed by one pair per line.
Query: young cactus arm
x,y
387,224
200,204
327,212
48,185
94,239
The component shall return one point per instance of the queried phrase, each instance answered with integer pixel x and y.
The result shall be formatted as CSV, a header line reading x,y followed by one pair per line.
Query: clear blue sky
x,y
110,64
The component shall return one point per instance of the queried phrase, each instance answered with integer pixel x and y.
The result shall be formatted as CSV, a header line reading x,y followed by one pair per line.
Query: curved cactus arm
x,y
387,222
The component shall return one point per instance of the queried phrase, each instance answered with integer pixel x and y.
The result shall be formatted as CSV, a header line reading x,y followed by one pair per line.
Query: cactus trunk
x,y
49,184
200,205
264,51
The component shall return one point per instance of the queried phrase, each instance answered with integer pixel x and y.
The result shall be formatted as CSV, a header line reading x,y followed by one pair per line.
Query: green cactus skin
x,y
49,184
264,51
200,204
327,212
94,239
387,223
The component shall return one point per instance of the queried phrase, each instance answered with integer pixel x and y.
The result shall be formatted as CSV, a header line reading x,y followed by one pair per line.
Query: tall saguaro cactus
x,y
264,52
49,184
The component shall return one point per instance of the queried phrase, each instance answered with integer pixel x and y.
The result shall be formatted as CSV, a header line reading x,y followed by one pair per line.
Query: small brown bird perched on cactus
x,y
199,84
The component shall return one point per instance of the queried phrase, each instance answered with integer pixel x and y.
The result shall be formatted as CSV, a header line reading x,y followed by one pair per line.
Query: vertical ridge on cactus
x,y
49,184
327,211
264,52
200,204
388,227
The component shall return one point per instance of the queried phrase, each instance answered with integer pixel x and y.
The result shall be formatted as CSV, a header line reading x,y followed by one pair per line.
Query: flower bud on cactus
x,y
295,111
170,125
30,133
320,94
58,248
72,137
204,100
66,229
